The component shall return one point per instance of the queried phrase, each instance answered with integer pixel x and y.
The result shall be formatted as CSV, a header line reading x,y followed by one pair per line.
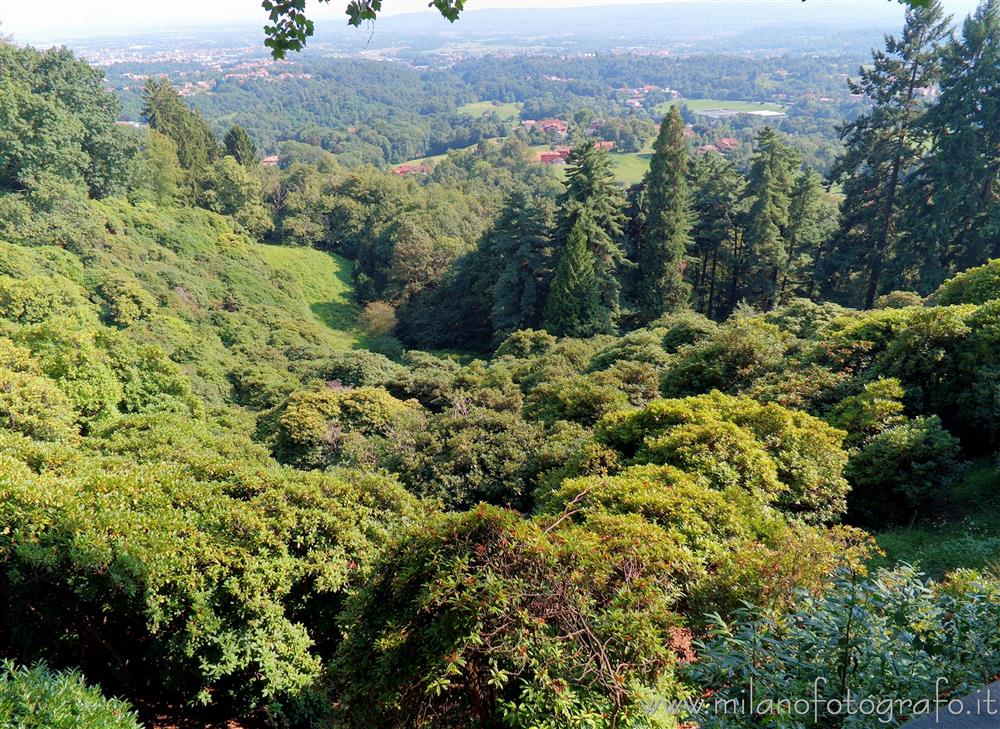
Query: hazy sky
x,y
32,21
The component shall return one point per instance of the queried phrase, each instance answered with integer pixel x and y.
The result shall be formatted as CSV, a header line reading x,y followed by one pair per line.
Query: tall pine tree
x,y
882,147
764,259
520,243
955,196
573,308
812,220
591,190
717,200
666,234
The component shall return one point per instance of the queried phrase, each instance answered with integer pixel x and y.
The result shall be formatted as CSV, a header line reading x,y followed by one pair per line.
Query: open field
x,y
502,110
701,105
629,167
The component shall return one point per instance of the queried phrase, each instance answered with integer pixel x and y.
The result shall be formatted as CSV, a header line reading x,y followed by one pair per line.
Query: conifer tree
x,y
882,147
661,284
812,220
765,255
239,145
591,187
520,243
955,196
573,308
167,114
717,199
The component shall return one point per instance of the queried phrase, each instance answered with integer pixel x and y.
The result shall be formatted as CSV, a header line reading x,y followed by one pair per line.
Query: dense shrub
x,y
583,399
737,548
360,368
784,456
731,359
467,455
312,428
525,343
37,698
483,619
126,302
877,407
972,286
36,298
218,578
901,471
683,328
899,300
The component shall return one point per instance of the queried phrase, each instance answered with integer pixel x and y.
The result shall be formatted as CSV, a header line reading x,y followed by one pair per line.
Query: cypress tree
x,y
882,146
239,145
573,308
666,236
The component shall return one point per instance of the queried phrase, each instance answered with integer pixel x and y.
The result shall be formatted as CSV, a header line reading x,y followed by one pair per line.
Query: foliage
x,y
779,455
889,635
476,618
972,286
194,569
38,698
312,428
901,471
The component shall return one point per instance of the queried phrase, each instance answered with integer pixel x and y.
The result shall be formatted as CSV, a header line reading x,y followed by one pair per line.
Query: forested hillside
x,y
498,444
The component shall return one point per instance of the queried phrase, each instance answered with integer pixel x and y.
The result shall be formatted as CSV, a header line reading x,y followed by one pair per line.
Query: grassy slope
x,y
325,279
504,111
966,533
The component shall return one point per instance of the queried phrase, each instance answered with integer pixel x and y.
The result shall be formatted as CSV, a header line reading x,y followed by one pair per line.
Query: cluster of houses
x,y
556,126
721,146
638,95
558,155
412,168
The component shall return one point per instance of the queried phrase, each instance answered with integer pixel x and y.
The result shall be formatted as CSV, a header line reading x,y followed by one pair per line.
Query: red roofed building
x,y
554,157
706,148
607,146
727,144
419,169
271,161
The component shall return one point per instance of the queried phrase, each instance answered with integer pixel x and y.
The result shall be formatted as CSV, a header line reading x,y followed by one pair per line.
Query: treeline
x,y
920,178
369,112
919,203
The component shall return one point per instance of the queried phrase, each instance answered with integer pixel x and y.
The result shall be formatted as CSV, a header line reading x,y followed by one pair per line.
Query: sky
x,y
34,21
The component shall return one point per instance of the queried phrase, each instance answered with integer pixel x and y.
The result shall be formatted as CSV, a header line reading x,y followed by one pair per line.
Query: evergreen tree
x,y
882,146
764,259
717,198
661,284
521,244
239,145
591,189
167,114
955,196
812,220
573,308
163,172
